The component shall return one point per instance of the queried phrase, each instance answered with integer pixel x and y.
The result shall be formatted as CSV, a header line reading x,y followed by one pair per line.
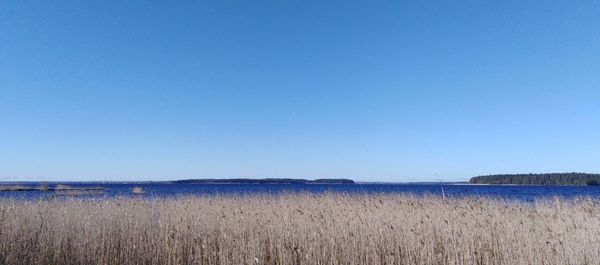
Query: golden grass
x,y
137,190
299,229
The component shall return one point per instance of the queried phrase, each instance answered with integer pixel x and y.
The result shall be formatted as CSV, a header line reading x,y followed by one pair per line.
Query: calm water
x,y
169,190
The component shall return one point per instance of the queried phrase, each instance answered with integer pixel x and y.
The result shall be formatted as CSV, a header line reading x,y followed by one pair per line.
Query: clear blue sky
x,y
370,90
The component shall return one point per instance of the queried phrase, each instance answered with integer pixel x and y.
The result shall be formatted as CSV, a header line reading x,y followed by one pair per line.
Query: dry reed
x,y
299,229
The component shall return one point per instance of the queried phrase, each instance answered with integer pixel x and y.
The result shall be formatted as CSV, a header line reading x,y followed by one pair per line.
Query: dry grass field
x,y
299,229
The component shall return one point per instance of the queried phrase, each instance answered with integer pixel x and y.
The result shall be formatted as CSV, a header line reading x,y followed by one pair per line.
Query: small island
x,y
563,179
265,181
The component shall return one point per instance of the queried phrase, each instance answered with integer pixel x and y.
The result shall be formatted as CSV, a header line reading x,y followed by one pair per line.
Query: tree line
x,y
573,178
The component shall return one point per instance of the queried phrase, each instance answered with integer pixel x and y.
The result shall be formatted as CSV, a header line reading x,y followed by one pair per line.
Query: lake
x,y
527,193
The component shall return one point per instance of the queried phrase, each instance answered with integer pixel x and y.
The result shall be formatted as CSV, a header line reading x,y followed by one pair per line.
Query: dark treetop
x,y
266,181
578,179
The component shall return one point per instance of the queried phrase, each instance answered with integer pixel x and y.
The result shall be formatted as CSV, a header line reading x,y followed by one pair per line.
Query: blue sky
x,y
369,90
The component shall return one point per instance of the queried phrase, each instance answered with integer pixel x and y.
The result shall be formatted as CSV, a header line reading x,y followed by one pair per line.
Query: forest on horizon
x,y
574,178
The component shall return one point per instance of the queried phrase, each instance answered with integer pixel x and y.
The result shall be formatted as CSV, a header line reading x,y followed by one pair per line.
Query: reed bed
x,y
299,229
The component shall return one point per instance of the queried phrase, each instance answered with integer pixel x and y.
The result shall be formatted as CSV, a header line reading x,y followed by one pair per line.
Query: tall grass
x,y
299,229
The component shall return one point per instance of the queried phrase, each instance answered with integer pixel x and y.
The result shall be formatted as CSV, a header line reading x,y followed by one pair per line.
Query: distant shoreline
x,y
45,188
26,185
543,179
264,181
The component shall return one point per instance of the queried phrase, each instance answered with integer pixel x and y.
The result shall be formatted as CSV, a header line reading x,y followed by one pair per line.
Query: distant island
x,y
265,181
574,179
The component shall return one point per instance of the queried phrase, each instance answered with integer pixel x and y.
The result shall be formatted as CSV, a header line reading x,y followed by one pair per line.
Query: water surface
x,y
451,190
